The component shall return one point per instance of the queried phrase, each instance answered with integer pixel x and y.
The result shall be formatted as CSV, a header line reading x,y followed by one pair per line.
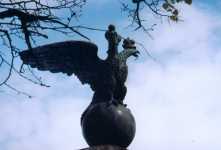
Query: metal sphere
x,y
108,124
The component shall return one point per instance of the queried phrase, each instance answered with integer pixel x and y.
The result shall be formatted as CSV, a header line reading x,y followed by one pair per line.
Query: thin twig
x,y
17,91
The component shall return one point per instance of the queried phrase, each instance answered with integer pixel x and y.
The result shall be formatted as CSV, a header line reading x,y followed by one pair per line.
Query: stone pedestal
x,y
104,147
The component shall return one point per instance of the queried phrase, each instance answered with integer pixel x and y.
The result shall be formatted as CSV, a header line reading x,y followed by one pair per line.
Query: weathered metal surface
x,y
115,124
106,77
108,124
104,147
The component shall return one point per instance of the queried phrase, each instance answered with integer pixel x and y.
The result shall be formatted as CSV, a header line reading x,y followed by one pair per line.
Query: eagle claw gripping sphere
x,y
108,124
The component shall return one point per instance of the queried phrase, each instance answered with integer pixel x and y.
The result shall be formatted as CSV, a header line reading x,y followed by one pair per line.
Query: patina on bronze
x,y
106,121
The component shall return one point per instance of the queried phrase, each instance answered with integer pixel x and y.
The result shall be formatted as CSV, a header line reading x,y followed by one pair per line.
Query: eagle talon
x,y
114,102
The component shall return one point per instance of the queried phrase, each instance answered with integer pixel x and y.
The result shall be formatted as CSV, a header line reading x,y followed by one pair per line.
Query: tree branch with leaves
x,y
27,21
162,8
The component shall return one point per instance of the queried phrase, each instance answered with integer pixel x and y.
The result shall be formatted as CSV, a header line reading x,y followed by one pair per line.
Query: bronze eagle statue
x,y
105,77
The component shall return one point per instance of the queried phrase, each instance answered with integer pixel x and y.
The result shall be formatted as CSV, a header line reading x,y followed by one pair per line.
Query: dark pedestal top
x,y
104,147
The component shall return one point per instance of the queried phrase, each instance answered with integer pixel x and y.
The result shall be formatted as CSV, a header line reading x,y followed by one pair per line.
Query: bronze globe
x,y
108,124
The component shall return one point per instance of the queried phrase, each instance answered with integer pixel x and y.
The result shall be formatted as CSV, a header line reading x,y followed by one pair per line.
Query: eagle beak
x,y
136,54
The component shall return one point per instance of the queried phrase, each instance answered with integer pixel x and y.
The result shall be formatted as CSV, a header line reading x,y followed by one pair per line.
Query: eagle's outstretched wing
x,y
78,57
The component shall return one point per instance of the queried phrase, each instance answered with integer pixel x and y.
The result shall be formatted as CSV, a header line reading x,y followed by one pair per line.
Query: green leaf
x,y
174,18
175,12
179,1
171,1
188,2
165,6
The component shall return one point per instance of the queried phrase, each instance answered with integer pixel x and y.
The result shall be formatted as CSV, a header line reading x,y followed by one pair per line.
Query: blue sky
x,y
176,100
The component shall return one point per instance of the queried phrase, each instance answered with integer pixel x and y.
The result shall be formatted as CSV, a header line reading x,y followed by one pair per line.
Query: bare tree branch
x,y
17,91
27,20
12,57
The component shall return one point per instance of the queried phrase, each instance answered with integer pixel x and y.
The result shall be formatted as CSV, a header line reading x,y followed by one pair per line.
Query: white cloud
x,y
177,107
176,104
50,124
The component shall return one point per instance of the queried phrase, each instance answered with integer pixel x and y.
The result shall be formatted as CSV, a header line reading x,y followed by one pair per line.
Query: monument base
x,y
104,147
